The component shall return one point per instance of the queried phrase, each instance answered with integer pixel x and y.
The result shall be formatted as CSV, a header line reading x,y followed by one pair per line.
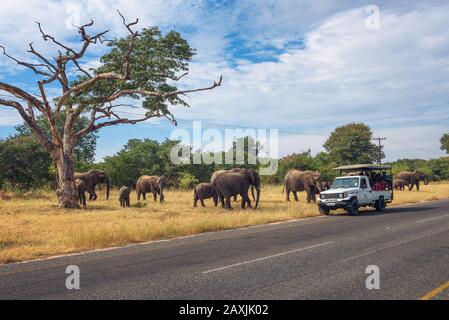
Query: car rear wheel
x,y
380,204
353,208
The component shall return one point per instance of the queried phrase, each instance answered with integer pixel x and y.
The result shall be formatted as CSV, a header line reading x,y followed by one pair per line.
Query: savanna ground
x,y
35,227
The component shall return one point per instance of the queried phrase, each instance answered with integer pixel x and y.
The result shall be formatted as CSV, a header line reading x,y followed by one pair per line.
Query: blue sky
x,y
303,67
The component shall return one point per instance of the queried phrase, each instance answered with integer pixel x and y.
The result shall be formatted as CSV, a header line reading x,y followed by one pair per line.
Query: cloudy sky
x,y
303,67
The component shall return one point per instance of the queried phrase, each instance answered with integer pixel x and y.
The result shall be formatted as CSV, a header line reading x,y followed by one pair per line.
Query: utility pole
x,y
380,147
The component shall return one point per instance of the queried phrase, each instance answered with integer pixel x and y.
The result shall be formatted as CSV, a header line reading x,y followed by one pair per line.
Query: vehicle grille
x,y
329,196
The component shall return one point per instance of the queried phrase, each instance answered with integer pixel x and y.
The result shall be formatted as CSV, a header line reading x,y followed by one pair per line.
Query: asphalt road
x,y
317,258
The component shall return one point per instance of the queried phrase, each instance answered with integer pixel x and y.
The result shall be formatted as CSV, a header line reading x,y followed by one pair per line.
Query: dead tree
x,y
98,92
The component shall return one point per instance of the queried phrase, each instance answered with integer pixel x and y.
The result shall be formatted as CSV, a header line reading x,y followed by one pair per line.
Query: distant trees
x,y
24,164
351,144
445,142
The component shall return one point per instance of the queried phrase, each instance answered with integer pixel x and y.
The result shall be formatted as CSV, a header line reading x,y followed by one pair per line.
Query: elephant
x,y
399,184
203,191
413,178
92,178
297,181
218,172
153,184
81,189
123,196
231,183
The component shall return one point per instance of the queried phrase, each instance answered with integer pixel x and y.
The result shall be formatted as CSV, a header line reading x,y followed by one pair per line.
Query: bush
x,y
187,181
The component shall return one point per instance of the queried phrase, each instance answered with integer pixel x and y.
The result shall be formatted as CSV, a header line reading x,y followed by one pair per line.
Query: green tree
x,y
142,157
24,163
351,144
445,142
139,70
85,150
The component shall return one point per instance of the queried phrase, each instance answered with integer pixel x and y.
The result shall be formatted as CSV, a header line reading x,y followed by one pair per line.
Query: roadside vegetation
x,y
33,226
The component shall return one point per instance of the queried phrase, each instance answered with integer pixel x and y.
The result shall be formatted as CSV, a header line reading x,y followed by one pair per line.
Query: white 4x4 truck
x,y
364,185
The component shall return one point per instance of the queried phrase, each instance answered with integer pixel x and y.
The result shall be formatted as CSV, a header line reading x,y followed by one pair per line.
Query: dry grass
x,y
37,228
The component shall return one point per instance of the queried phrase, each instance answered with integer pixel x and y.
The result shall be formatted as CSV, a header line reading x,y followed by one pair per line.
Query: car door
x,y
364,196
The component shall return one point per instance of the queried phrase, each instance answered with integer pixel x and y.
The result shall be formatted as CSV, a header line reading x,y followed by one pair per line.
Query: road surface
x,y
316,258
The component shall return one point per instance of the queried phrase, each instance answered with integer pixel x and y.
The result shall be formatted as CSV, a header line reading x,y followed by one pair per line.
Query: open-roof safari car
x,y
359,185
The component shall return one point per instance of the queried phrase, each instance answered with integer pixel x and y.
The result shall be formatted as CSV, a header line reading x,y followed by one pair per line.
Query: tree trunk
x,y
67,193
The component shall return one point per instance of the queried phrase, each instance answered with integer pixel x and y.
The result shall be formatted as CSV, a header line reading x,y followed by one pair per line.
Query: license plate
x,y
331,204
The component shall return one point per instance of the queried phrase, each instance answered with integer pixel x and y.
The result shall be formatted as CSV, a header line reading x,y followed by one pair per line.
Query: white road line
x,y
431,219
266,258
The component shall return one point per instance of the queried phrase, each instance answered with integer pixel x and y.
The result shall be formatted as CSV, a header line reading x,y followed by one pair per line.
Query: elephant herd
x,y
226,185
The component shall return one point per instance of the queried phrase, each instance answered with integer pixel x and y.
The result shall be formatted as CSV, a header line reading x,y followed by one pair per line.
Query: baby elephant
x,y
123,196
204,191
81,189
400,184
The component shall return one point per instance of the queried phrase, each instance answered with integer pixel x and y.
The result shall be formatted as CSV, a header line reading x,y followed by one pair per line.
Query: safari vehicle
x,y
360,185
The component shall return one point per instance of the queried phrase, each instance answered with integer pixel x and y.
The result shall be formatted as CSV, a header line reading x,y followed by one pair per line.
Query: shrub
x,y
187,181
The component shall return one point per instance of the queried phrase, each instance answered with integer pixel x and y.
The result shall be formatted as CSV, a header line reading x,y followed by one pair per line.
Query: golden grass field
x,y
36,228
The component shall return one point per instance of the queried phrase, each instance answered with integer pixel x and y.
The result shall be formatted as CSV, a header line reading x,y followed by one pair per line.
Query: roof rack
x,y
364,167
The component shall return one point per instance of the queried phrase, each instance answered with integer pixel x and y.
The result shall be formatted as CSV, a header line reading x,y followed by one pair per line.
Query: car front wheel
x,y
353,208
324,211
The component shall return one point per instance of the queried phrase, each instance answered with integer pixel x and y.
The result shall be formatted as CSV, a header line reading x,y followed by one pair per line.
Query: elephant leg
x,y
248,201
202,202
154,196
128,204
222,201
195,201
215,198
309,196
144,195
287,194
83,200
228,203
295,194
410,187
235,198
313,195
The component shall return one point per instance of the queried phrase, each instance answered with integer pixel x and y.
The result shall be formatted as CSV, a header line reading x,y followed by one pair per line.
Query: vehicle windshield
x,y
345,183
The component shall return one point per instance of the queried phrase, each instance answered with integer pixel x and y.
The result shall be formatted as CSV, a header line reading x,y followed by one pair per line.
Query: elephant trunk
x,y
426,181
257,197
252,193
108,187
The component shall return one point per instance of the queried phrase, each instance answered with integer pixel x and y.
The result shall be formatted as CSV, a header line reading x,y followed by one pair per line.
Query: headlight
x,y
340,195
345,195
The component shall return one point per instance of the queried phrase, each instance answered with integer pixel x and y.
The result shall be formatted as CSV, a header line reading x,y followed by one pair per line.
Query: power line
x,y
380,147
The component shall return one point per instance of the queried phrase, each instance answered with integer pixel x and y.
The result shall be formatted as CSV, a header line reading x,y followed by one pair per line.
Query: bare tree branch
x,y
33,66
30,121
134,35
